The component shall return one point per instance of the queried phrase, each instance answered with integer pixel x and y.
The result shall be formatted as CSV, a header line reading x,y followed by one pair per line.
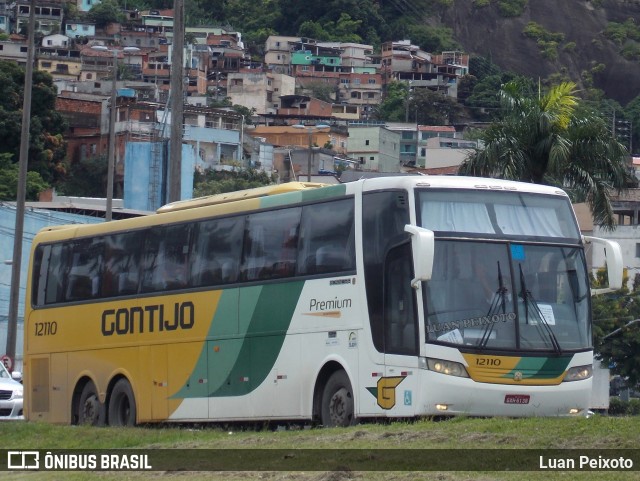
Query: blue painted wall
x,y
139,176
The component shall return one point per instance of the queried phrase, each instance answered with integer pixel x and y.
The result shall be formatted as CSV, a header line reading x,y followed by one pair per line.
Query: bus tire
x,y
337,407
90,410
122,405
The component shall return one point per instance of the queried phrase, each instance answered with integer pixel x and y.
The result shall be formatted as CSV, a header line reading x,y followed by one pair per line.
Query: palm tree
x,y
553,139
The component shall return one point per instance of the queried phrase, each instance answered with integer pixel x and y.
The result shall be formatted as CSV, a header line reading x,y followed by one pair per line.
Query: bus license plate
x,y
517,399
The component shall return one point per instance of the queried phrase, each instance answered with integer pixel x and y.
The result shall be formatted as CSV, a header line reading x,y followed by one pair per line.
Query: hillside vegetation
x,y
595,43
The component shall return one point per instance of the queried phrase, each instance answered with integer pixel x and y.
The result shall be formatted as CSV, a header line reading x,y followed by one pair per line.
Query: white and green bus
x,y
387,297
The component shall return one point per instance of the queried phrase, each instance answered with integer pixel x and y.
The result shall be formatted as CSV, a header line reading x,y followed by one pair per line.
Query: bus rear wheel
x,y
336,409
122,405
90,409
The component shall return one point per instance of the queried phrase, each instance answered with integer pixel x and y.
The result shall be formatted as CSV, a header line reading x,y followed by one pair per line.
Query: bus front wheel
x,y
90,409
337,401
122,405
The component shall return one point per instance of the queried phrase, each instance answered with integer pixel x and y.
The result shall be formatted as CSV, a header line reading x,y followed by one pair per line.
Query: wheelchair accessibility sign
x,y
407,398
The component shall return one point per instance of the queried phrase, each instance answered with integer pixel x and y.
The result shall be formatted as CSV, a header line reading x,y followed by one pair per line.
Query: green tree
x,y
106,12
211,182
9,172
552,139
394,106
427,107
47,148
632,113
86,178
616,337
433,39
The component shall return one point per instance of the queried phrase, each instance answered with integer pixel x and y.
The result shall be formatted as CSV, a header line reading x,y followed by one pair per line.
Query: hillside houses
x,y
299,81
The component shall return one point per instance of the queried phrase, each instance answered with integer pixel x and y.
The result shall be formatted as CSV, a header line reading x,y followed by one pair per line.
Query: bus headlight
x,y
578,373
446,367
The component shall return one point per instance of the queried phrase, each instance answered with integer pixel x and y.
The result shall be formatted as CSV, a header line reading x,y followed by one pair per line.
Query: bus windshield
x,y
491,295
500,290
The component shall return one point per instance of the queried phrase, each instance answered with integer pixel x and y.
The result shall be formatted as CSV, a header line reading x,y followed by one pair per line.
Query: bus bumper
x,y
444,395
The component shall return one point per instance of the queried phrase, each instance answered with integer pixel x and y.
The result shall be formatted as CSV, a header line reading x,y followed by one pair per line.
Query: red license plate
x,y
517,399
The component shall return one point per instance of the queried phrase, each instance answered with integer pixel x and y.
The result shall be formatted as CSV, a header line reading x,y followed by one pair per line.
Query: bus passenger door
x,y
398,389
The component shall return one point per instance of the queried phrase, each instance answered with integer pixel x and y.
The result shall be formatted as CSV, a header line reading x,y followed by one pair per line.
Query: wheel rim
x,y
339,408
90,410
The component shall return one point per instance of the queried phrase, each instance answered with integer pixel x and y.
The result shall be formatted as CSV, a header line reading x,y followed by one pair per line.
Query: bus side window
x,y
270,248
84,277
384,215
56,272
216,251
327,238
165,261
122,264
401,333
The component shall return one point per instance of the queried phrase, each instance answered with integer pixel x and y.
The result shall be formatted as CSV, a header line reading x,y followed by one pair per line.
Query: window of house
x,y
366,142
637,250
371,81
46,64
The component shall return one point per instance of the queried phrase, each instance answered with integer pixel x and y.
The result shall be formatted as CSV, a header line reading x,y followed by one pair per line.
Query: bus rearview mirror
x,y
613,259
422,245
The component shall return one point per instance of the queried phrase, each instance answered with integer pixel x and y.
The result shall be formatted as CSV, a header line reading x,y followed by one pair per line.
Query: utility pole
x,y
16,264
177,103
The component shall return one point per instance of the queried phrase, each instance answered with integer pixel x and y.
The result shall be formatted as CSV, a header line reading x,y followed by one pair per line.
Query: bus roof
x,y
460,182
239,195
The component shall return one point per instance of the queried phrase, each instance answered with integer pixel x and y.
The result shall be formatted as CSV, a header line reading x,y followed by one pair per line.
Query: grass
x,y
455,436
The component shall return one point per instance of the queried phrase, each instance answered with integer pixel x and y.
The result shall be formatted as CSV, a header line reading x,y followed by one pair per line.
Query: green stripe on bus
x,y
540,367
236,364
303,196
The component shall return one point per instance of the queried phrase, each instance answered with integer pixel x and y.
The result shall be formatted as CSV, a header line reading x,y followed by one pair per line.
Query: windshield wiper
x,y
531,303
497,301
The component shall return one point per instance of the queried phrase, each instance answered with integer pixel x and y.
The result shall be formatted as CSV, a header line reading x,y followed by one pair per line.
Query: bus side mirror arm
x,y
615,267
422,245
